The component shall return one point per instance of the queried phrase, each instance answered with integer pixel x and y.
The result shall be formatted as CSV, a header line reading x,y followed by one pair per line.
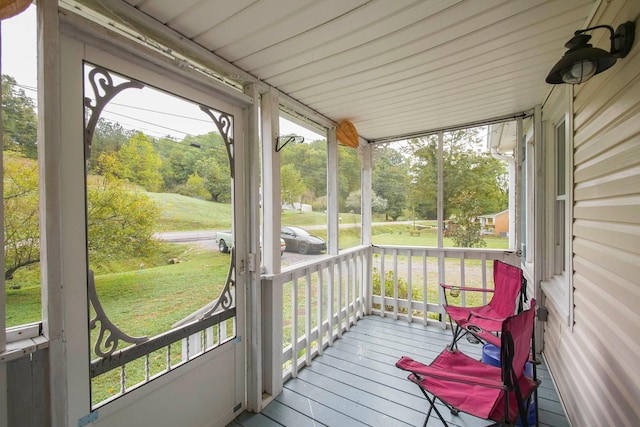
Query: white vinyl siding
x,y
595,362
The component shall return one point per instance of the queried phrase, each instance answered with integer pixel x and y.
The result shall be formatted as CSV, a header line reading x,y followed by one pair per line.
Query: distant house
x,y
496,224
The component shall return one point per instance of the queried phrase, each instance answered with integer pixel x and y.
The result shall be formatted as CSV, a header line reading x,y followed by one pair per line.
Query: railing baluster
x,y
382,283
354,287
223,331
462,280
168,357
307,318
425,300
395,284
409,290
187,342
294,327
147,362
347,283
209,337
319,311
123,379
330,297
339,294
483,259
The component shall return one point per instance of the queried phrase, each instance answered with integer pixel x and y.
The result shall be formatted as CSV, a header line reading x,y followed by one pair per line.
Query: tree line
x,y
121,219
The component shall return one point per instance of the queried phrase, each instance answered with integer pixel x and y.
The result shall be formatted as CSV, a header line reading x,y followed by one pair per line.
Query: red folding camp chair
x,y
484,322
500,394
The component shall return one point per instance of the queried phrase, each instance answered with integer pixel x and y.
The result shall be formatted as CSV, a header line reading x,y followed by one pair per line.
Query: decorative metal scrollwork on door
x,y
224,123
104,88
104,91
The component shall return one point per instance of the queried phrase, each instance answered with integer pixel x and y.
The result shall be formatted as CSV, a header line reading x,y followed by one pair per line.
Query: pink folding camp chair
x,y
484,322
501,394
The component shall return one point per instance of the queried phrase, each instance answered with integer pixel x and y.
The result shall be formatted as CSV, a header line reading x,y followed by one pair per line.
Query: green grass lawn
x,y
187,213
399,235
149,301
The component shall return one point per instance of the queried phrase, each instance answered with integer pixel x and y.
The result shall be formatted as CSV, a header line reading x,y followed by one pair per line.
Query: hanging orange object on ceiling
x,y
9,8
347,134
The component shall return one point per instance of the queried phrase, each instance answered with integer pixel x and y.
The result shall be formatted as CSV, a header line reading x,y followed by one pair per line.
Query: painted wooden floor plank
x,y
318,410
355,382
248,419
344,405
288,416
397,402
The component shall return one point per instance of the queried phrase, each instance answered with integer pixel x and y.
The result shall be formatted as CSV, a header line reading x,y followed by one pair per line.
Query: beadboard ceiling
x,y
392,67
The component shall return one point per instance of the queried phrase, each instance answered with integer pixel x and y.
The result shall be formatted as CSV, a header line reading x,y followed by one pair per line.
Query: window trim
x,y
558,288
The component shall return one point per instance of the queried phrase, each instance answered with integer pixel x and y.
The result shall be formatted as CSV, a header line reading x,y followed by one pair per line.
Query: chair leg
x,y
457,333
432,406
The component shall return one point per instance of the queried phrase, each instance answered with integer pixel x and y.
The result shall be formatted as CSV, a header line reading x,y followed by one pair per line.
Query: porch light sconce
x,y
583,61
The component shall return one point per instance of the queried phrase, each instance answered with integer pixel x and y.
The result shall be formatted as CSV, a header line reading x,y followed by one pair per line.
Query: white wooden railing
x,y
325,297
321,300
418,271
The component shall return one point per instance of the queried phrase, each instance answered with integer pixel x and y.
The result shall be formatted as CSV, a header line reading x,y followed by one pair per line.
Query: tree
x,y
216,178
291,185
20,123
310,161
21,226
466,167
465,231
354,201
378,204
139,162
349,170
121,221
108,137
194,187
390,179
423,192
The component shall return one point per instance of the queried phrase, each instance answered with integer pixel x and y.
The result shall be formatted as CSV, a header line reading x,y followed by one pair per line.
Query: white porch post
x,y
271,198
3,316
366,192
51,219
248,160
271,207
538,211
441,219
515,197
332,192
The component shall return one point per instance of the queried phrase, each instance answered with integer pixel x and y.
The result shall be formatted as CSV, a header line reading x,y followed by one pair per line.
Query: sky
x,y
155,113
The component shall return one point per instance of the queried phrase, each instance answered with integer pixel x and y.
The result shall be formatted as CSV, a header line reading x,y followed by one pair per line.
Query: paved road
x,y
199,235
207,240
186,236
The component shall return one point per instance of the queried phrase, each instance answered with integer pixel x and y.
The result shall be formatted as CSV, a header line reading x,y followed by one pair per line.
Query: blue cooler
x,y
491,356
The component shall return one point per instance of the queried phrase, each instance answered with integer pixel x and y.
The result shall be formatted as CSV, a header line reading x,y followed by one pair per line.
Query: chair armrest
x,y
482,316
421,370
464,288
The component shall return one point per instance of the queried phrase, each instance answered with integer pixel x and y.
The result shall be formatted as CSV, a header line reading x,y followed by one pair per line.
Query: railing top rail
x,y
318,263
380,248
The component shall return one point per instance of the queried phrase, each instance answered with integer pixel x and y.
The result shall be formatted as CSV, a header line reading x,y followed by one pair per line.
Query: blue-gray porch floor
x,y
355,383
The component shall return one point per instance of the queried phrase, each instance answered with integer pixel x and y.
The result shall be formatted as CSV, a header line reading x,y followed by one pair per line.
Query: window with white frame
x,y
20,304
528,186
560,196
557,233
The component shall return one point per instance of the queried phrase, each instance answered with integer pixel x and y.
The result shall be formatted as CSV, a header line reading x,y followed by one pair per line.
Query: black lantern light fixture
x,y
583,61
